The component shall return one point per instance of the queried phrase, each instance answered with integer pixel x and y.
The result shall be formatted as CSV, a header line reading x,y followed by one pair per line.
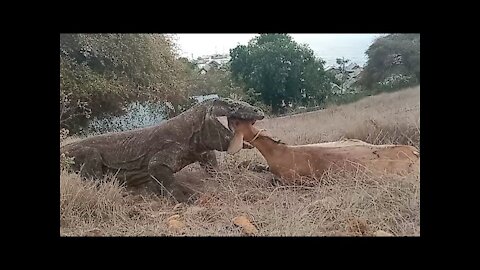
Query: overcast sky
x,y
326,46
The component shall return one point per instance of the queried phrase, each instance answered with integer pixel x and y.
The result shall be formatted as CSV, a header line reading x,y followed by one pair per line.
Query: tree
x,y
105,72
342,62
277,70
394,60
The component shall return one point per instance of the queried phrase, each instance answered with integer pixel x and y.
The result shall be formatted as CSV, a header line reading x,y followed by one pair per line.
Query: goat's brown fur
x,y
291,162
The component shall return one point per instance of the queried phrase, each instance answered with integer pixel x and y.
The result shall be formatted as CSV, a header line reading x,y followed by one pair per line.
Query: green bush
x,y
393,62
395,82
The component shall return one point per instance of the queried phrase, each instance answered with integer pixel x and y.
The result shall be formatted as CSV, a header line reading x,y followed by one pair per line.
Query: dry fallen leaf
x,y
174,224
245,224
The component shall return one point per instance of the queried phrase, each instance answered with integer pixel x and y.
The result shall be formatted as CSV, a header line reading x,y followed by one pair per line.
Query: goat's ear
x,y
236,144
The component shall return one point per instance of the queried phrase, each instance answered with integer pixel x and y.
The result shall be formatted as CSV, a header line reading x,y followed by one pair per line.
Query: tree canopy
x,y
279,71
393,61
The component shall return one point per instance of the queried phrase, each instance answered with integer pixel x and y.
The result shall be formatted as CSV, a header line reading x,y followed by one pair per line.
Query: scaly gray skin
x,y
150,156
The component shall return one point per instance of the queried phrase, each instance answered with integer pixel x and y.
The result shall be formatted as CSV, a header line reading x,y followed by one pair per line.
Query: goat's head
x,y
243,131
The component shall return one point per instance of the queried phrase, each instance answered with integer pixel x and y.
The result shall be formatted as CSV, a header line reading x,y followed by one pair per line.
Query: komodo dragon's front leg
x,y
163,176
161,169
208,161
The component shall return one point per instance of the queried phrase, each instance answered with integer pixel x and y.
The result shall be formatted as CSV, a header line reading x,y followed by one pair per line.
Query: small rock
x,y
382,233
245,224
94,232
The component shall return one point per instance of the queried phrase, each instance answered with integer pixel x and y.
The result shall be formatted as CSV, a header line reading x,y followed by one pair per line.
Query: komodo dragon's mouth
x,y
230,120
227,121
225,109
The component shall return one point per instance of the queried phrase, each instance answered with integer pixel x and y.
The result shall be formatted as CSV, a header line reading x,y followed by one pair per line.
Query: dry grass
x,y
341,205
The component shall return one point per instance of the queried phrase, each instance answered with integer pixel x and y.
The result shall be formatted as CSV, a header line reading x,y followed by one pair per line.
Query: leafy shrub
x,y
393,62
105,72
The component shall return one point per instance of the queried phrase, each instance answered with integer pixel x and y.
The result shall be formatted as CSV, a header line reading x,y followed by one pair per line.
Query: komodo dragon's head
x,y
216,132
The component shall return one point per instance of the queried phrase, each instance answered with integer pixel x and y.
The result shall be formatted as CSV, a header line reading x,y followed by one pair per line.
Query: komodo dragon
x,y
149,156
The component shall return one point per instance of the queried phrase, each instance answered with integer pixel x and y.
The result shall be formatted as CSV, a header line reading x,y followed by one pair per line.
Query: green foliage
x,y
342,62
65,162
394,62
276,69
395,82
104,72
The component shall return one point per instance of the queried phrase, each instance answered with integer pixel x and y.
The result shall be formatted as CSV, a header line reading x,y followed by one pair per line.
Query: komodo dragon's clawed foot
x,y
275,181
208,161
253,166
163,181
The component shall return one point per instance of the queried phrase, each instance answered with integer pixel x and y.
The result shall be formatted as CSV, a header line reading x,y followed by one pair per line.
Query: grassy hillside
x,y
341,205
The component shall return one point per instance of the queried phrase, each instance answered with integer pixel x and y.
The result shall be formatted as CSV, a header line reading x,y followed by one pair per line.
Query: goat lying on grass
x,y
292,162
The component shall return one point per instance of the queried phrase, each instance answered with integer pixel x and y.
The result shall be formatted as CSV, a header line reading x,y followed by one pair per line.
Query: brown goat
x,y
292,162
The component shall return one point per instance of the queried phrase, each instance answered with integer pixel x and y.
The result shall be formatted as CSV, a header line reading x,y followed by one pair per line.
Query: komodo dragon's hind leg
x,y
89,162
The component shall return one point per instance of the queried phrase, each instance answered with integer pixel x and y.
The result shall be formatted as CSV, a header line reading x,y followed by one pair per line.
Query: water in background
x,y
138,115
